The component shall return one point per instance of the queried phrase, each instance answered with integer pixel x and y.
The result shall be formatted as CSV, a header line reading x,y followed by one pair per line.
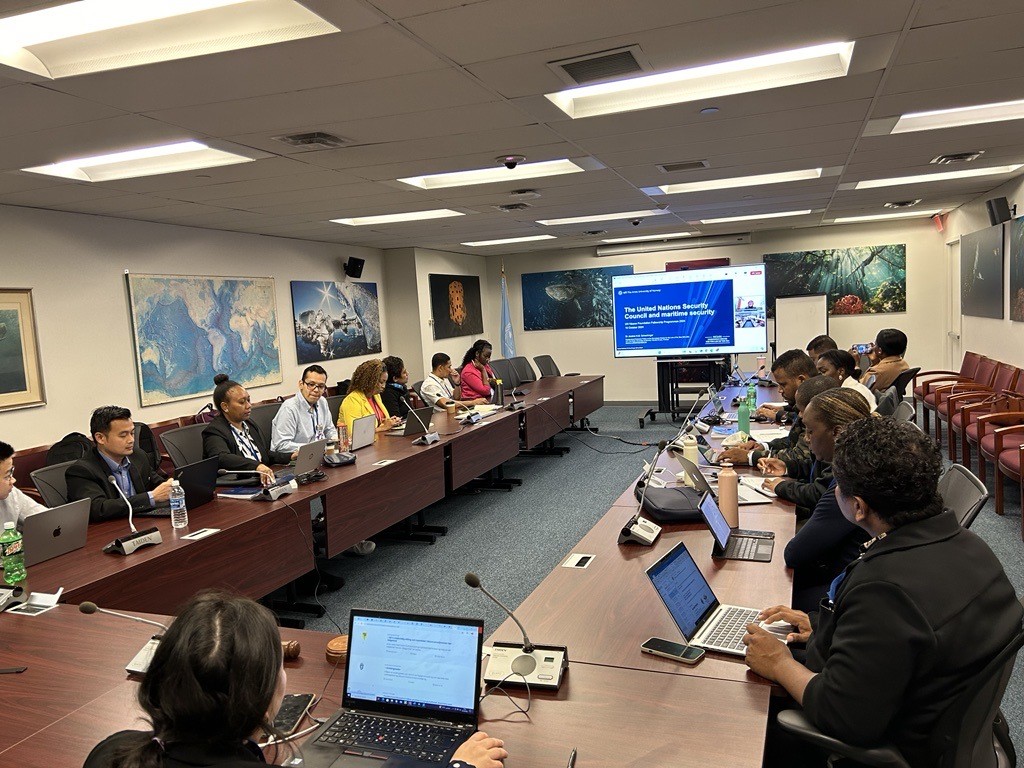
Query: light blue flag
x,y
508,341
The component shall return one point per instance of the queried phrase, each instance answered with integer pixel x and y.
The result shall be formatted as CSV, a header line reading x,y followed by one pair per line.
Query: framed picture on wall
x,y
334,320
21,375
456,306
1017,270
569,298
981,273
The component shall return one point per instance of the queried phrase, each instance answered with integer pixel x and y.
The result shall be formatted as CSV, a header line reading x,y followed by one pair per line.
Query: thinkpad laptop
x,y
363,430
738,544
702,619
411,693
53,532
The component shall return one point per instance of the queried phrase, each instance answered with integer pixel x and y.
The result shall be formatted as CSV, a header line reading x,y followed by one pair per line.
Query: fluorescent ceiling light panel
x,y
530,239
882,217
603,217
394,218
952,118
741,181
493,175
758,217
758,73
149,161
944,176
641,238
98,35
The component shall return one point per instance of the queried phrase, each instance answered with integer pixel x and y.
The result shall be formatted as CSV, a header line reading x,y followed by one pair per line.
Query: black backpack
x,y
71,447
145,441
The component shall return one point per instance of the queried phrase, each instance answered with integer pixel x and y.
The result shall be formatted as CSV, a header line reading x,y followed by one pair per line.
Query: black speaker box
x,y
998,210
354,266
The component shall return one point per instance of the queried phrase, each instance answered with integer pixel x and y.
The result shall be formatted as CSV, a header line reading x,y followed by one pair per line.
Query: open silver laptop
x,y
745,494
363,430
309,457
413,426
53,532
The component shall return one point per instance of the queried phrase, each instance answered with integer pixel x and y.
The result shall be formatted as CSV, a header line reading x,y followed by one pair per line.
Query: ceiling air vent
x,y
314,141
686,165
958,157
509,207
602,66
901,203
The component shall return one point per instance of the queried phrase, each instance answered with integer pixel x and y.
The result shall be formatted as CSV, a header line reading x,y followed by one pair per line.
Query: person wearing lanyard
x,y
237,442
306,417
363,398
438,390
907,625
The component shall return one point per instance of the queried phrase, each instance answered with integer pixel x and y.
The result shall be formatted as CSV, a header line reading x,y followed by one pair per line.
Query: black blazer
x,y
219,441
87,479
392,399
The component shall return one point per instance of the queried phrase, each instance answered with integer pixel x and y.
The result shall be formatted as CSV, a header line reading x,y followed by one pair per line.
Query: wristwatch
x,y
460,764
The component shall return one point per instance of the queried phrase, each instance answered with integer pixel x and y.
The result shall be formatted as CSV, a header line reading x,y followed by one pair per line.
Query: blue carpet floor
x,y
513,539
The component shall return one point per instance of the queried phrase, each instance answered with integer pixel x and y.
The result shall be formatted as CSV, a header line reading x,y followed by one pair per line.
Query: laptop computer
x,y
363,430
309,458
746,495
53,532
412,688
703,620
413,426
735,545
198,480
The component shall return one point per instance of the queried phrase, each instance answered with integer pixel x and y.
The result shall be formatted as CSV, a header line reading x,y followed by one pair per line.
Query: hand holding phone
x,y
687,654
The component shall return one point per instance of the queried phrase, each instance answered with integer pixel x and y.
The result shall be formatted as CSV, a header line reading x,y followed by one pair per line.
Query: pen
x,y
572,758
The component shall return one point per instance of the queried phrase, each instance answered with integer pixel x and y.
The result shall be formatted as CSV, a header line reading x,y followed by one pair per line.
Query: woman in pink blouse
x,y
477,376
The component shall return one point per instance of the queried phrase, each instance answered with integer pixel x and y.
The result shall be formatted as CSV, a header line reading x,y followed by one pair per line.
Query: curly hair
x,y
366,377
893,466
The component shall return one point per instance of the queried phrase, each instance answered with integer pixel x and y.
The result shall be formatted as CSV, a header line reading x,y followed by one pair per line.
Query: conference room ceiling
x,y
429,86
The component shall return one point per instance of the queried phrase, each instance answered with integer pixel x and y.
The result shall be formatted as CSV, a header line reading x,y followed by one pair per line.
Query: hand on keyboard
x,y
482,751
765,654
782,615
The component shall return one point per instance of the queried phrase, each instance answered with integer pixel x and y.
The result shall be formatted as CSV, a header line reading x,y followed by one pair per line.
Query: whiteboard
x,y
798,319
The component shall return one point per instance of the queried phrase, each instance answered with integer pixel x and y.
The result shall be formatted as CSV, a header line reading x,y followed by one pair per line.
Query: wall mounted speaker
x,y
354,266
998,210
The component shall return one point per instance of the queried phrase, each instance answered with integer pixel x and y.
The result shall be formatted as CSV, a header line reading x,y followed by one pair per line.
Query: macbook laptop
x,y
413,426
735,545
53,532
411,692
745,494
702,619
363,430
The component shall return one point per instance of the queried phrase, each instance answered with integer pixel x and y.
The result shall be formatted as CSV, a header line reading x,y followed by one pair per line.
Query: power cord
x,y
316,568
529,695
591,447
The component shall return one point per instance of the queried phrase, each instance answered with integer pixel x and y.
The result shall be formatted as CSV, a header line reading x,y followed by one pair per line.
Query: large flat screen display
x,y
698,312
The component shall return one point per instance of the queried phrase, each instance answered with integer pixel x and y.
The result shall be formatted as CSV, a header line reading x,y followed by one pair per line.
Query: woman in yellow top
x,y
363,398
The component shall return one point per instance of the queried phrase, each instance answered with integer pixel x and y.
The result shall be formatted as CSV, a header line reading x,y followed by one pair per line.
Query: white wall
x,y
589,350
403,310
75,265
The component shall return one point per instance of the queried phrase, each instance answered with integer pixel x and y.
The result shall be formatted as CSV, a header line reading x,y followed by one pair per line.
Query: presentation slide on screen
x,y
417,664
705,311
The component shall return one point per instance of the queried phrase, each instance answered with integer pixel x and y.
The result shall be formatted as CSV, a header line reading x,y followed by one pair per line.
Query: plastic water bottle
x,y
13,554
743,417
179,513
728,495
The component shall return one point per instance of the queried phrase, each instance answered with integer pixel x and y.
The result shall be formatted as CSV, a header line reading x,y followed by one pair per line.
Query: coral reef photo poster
x,y
187,329
981,272
455,305
571,298
334,320
870,279
1017,270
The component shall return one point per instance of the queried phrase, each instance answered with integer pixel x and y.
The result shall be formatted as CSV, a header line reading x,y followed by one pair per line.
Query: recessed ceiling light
x,y
99,35
944,176
758,73
709,111
604,217
882,217
480,243
393,218
952,118
493,175
641,238
758,217
740,181
149,161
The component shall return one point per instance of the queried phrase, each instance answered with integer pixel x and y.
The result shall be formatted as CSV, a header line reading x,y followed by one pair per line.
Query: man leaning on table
x,y
907,625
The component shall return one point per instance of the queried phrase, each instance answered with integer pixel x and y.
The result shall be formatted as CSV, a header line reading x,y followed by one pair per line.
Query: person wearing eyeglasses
x,y
306,417
14,505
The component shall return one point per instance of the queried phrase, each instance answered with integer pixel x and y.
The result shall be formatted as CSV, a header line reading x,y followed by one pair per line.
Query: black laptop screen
x,y
683,588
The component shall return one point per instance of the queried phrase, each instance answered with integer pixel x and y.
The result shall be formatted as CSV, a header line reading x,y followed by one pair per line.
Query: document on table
x,y
766,435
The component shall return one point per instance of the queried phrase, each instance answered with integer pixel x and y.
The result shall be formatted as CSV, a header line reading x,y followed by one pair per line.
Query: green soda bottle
x,y
13,554
751,397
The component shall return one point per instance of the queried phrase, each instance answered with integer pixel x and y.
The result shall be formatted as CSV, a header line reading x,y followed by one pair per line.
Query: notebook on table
x,y
411,692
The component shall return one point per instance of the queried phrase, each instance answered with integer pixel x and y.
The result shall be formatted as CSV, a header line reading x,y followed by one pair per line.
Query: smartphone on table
x,y
687,654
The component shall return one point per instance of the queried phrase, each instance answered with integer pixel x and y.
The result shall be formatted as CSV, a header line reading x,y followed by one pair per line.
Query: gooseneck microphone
x,y
140,662
90,608
474,581
113,481
125,545
429,437
637,529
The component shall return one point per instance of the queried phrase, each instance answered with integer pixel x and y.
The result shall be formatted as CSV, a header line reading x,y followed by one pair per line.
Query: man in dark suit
x,y
115,455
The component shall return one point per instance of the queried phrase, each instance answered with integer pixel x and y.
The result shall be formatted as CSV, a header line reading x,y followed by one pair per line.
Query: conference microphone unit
x,y
537,666
136,540
515,405
140,662
638,529
428,437
280,487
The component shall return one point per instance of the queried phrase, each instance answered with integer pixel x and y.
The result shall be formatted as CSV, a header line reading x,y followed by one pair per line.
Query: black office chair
x,y
50,483
503,370
962,493
903,380
334,403
964,734
184,445
416,386
343,386
523,369
263,417
546,365
887,402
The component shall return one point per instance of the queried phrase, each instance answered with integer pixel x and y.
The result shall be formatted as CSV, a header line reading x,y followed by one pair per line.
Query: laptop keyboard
x,y
381,737
730,628
740,547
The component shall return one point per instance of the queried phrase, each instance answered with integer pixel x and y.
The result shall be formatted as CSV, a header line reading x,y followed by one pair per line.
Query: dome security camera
x,y
511,161
635,222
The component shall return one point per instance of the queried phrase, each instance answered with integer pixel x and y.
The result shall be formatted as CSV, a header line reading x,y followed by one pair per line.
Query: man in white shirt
x,y
15,506
306,417
437,389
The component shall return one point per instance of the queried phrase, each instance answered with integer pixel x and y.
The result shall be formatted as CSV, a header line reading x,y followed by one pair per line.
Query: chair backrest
x,y
334,403
185,444
904,411
503,370
343,386
146,442
962,493
263,416
1006,377
903,379
1018,384
969,365
546,365
986,372
50,483
523,369
416,386
887,402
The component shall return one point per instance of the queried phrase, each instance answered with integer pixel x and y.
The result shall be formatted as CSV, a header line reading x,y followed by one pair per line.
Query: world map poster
x,y
188,329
